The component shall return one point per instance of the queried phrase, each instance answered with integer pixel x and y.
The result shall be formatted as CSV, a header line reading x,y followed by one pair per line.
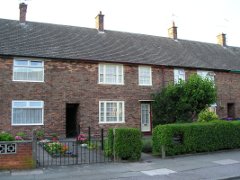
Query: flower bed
x,y
57,149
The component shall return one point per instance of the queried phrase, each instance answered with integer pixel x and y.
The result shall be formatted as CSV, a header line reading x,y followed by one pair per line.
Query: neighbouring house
x,y
64,79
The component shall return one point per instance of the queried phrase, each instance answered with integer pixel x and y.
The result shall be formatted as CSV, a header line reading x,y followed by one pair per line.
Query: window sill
x,y
146,85
111,122
27,81
110,84
27,124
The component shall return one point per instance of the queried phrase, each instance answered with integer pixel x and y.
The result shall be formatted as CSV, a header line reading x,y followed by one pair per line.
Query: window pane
x,y
20,104
179,74
30,70
20,73
102,112
35,104
111,114
20,62
145,115
27,116
36,63
120,74
35,74
111,74
120,112
145,76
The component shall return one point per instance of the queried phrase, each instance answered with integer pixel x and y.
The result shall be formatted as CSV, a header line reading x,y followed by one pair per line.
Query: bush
x,y
4,136
206,116
196,137
126,143
182,102
108,144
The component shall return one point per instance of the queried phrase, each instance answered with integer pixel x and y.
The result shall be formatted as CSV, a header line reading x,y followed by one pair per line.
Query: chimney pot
x,y
100,22
172,31
23,12
221,39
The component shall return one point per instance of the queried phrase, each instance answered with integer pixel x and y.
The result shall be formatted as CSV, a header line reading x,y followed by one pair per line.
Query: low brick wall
x,y
16,155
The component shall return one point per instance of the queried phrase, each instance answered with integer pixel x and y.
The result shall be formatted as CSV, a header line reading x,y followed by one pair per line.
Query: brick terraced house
x,y
63,78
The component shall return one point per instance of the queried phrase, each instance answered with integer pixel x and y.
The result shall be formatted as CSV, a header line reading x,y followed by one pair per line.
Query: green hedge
x,y
126,143
196,137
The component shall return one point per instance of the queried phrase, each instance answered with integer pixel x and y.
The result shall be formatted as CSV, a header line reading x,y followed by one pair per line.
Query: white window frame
x,y
105,112
177,74
140,68
28,107
27,66
206,74
119,67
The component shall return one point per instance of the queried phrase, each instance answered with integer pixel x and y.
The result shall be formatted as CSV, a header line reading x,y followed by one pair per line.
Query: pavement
x,y
215,165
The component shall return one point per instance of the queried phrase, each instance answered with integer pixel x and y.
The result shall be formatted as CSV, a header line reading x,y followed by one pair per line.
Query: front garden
x,y
184,124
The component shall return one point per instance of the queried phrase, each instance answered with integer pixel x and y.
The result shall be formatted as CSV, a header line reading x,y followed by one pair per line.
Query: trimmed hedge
x,y
126,142
196,137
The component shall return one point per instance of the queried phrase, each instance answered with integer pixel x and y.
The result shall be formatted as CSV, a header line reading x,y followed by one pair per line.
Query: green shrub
x,y
182,102
206,116
126,143
108,144
107,150
4,136
196,137
40,134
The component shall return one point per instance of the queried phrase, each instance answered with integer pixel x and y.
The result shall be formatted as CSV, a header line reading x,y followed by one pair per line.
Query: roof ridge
x,y
116,31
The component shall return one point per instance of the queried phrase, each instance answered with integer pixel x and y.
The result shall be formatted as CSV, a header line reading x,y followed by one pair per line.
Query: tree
x,y
182,102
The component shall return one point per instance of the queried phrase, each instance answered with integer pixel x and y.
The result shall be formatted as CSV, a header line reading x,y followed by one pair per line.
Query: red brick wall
x,y
23,159
77,82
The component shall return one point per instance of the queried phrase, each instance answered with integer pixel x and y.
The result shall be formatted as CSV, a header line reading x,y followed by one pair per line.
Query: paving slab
x,y
154,172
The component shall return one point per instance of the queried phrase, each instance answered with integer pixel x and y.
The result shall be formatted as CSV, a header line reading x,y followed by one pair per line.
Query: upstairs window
x,y
206,74
111,112
179,74
27,113
28,70
110,74
145,75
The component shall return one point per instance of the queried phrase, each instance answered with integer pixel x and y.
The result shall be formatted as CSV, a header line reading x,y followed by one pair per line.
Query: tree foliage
x,y
182,102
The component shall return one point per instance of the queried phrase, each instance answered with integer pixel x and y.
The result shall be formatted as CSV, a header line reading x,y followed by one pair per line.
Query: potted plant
x,y
40,135
54,137
20,136
82,139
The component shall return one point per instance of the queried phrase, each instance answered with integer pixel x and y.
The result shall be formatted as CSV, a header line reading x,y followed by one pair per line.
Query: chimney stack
x,y
172,31
23,11
100,22
221,39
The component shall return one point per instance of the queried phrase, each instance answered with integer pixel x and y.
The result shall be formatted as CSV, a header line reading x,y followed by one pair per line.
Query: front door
x,y
145,117
71,120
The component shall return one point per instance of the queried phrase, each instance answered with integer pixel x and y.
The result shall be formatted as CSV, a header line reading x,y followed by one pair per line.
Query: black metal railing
x,y
71,151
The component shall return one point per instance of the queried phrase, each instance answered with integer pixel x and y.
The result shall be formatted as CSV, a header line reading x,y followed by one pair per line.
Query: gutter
x,y
235,71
